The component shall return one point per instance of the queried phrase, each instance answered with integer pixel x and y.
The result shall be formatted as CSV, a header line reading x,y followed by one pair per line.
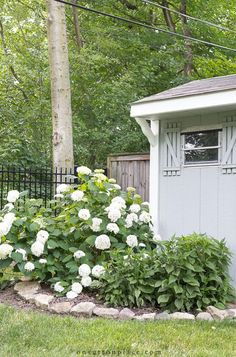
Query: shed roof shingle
x,y
209,85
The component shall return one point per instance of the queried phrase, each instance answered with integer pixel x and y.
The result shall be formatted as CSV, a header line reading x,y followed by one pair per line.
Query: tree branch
x,y
188,66
78,37
168,18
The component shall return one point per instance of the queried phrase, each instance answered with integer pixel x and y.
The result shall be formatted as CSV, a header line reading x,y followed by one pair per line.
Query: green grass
x,y
33,334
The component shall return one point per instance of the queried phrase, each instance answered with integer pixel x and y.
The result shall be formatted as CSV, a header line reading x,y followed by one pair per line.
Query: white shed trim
x,y
152,134
181,104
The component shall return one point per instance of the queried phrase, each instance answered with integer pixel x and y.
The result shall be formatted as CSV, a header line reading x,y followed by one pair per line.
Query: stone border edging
x,y
31,291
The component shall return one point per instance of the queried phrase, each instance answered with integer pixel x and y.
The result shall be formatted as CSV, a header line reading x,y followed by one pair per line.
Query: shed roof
x,y
209,85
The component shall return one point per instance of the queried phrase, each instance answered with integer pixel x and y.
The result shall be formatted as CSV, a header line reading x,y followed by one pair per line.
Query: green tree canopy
x,y
112,64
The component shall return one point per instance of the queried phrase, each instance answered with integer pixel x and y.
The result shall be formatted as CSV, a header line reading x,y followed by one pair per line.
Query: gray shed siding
x,y
199,198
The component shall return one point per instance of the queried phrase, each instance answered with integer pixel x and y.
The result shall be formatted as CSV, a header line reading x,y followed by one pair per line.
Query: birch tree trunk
x,y
62,141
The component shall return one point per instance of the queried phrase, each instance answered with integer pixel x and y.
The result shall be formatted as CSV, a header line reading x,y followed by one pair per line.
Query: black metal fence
x,y
39,182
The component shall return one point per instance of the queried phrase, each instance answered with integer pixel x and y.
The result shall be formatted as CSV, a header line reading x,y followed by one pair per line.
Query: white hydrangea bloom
x,y
116,186
100,176
37,248
77,195
145,217
145,204
9,206
22,252
86,281
83,170
96,224
98,270
43,261
77,288
131,189
132,241
71,295
113,227
135,208
58,287
118,202
128,222
114,214
157,237
29,266
42,236
63,188
99,171
142,245
84,270
12,196
133,217
112,180
79,254
59,195
4,228
84,214
5,250
102,242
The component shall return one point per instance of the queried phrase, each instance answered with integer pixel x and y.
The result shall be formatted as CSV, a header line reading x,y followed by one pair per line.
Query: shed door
x,y
199,195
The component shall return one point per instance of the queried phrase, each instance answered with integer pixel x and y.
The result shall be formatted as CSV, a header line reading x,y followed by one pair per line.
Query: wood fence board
x,y
130,170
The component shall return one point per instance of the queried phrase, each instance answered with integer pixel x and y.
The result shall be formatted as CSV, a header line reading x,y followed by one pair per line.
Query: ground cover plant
x,y
35,334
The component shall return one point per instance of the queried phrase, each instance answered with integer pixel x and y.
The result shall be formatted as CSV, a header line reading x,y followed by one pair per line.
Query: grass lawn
x,y
31,334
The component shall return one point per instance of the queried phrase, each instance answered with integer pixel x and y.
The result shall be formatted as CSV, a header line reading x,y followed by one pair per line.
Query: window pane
x,y
195,156
201,139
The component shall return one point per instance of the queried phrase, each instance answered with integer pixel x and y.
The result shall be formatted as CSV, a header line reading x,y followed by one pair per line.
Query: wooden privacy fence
x,y
130,170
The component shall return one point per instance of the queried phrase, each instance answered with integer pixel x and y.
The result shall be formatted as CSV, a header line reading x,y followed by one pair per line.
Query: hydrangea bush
x,y
68,243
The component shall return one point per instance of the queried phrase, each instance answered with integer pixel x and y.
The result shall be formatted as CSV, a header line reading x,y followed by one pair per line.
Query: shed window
x,y
201,147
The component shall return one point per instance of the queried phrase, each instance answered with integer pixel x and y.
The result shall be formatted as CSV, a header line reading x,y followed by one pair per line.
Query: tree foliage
x,y
112,64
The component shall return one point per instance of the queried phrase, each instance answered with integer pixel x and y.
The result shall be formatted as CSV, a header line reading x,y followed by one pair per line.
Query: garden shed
x,y
192,133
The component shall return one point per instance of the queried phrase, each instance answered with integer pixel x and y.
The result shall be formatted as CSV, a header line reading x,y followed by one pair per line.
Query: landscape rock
x,y
204,316
106,312
232,312
146,317
83,309
28,287
126,314
217,314
27,296
43,300
162,316
61,307
182,316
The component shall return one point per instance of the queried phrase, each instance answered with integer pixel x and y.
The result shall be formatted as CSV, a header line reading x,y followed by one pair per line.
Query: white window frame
x,y
201,163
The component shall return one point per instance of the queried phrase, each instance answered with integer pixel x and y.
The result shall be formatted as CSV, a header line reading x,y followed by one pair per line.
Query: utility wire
x,y
188,16
141,24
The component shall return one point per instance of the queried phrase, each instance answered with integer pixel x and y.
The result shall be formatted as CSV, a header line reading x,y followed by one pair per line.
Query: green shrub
x,y
192,273
183,274
129,280
62,249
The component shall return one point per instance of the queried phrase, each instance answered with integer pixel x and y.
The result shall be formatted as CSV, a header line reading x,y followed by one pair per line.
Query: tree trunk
x,y
60,87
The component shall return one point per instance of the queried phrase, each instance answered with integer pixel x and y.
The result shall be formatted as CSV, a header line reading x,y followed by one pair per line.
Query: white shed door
x,y
201,197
